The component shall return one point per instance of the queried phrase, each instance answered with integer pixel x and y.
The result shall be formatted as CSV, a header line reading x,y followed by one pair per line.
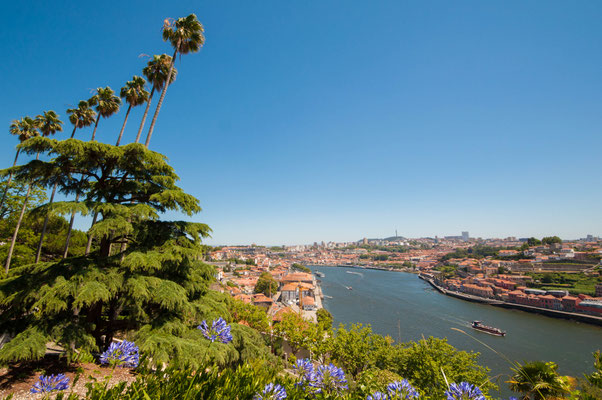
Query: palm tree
x,y
80,117
24,128
29,128
156,72
538,380
106,103
135,95
49,124
186,36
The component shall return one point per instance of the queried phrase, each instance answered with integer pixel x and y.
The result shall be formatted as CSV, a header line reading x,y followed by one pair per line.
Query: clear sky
x,y
303,121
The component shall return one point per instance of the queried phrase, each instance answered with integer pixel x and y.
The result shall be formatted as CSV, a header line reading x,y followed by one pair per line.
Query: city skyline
x,y
338,120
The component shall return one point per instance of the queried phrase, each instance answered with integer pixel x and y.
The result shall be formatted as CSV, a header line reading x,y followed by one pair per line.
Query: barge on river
x,y
487,329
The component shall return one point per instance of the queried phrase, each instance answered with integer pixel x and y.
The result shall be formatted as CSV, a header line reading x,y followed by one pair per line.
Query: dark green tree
x,y
551,240
82,116
158,292
266,284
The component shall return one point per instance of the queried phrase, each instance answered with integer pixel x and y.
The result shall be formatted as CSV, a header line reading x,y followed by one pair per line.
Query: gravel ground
x,y
18,381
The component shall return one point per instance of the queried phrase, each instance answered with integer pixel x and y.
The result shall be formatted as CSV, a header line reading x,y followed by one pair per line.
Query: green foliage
x,y
533,241
575,283
551,240
374,379
256,317
359,349
477,252
324,319
591,386
31,226
298,332
157,289
300,267
538,380
422,362
212,383
14,201
266,284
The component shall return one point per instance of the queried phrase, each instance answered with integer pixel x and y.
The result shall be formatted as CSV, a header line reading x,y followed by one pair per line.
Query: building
x,y
465,236
599,290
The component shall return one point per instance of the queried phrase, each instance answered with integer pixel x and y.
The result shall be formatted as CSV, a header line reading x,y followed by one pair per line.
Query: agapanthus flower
x,y
50,383
464,391
378,396
124,354
219,331
328,378
402,390
271,392
305,368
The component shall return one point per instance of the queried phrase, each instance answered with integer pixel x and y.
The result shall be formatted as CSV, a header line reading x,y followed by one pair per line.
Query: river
x,y
406,308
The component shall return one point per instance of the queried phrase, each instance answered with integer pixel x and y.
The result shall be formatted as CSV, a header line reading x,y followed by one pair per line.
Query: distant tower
x,y
465,236
396,233
365,241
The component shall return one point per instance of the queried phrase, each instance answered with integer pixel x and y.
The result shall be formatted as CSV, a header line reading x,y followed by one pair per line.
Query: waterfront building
x,y
590,306
599,290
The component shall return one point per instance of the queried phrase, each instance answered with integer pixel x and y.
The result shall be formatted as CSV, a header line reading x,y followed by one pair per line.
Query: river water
x,y
406,308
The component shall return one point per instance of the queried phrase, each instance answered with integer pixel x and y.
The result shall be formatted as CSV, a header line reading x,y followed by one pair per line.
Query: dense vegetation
x,y
477,251
575,283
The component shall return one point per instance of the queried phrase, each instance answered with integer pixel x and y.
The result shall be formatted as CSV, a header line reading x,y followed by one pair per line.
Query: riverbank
x,y
590,319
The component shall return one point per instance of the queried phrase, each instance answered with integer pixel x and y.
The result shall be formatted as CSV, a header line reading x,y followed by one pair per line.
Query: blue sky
x,y
304,121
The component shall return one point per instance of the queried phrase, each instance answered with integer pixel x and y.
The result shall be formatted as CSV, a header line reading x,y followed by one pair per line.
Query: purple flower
x,y
124,354
328,378
271,392
402,390
378,396
50,383
305,369
219,331
464,391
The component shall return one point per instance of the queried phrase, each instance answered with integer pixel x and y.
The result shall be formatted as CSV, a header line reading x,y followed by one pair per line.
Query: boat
x,y
354,273
320,274
348,287
487,329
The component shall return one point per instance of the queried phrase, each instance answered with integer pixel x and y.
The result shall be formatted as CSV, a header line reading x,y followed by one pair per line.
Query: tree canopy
x,y
156,288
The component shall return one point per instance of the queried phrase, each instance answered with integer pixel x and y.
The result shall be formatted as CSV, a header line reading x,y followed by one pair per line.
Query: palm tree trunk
x,y
148,103
10,178
14,238
150,131
66,252
73,133
39,252
90,237
123,126
95,126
